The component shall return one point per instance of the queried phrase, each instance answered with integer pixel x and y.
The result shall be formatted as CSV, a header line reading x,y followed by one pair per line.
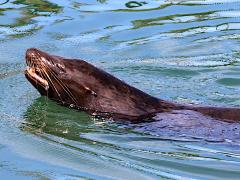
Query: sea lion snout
x,y
31,52
39,59
31,55
36,70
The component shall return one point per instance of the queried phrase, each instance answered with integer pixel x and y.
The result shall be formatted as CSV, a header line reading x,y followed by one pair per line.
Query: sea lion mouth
x,y
34,75
35,70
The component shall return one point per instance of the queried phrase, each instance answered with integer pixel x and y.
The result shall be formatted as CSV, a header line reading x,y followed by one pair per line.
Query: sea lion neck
x,y
107,93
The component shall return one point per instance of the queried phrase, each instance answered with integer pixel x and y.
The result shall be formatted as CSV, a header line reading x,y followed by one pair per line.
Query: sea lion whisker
x,y
43,74
60,83
42,69
59,95
64,87
69,93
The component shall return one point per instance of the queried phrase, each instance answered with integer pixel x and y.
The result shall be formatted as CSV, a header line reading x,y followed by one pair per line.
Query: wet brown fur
x,y
80,85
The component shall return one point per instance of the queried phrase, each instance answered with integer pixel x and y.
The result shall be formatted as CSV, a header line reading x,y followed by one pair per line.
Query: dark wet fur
x,y
190,125
80,85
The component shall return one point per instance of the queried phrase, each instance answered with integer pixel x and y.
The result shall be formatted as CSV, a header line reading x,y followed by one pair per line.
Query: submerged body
x,y
190,125
80,85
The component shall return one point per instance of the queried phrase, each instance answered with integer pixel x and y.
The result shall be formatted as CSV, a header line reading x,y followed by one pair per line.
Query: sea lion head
x,y
65,80
78,84
43,72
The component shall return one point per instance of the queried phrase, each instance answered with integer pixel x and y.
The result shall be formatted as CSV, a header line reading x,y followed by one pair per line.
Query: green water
x,y
185,51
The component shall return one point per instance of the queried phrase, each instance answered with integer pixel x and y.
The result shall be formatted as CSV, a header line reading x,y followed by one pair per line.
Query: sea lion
x,y
78,84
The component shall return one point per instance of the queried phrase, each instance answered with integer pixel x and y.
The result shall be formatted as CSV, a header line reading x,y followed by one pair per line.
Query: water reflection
x,y
5,2
19,17
185,51
175,18
99,144
134,4
45,116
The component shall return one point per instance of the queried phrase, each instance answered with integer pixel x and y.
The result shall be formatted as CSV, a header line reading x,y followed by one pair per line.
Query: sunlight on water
x,y
180,50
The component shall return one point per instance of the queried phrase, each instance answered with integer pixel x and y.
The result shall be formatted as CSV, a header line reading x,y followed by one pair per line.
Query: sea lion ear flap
x,y
89,91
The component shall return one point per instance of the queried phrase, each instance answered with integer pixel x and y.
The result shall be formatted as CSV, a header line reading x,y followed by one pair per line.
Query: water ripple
x,y
181,50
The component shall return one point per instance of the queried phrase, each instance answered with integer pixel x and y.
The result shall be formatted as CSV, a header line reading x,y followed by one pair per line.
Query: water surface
x,y
184,51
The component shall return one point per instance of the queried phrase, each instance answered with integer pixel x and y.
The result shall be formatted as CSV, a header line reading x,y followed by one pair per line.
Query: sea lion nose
x,y
31,52
32,55
36,57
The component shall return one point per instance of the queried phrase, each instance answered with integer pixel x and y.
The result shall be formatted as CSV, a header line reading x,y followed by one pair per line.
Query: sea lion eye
x,y
62,71
91,92
61,67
